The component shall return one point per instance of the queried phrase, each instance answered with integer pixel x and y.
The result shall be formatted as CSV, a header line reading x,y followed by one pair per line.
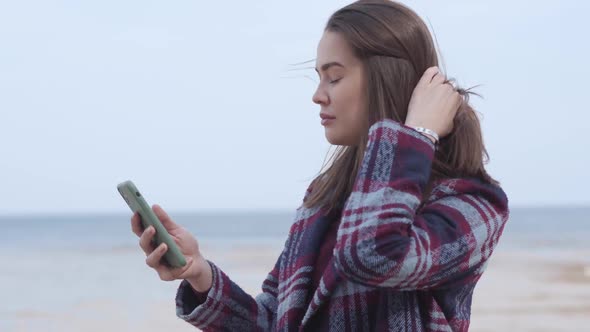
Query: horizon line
x,y
233,211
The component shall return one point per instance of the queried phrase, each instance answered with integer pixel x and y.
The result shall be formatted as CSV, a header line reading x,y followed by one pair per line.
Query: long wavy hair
x,y
395,47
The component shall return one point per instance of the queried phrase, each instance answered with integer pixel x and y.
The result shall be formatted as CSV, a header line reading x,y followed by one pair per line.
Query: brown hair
x,y
395,47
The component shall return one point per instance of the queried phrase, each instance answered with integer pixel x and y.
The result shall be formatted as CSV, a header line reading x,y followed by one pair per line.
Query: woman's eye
x,y
335,81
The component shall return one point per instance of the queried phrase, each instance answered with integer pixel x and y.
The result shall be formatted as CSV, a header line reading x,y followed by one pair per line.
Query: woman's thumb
x,y
165,219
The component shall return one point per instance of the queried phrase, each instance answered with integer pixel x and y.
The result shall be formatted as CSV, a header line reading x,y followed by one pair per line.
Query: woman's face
x,y
341,90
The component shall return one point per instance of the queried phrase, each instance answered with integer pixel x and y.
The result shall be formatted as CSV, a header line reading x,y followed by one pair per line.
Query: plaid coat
x,y
397,266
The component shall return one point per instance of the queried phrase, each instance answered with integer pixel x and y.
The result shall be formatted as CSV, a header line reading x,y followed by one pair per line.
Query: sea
x,y
557,227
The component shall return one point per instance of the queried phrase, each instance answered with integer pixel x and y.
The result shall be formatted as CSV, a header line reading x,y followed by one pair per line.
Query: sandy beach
x,y
520,291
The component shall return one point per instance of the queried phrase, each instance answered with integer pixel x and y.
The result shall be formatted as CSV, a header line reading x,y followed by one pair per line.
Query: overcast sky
x,y
194,100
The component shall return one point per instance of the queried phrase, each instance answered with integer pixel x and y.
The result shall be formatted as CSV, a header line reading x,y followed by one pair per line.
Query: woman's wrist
x,y
434,141
426,132
204,281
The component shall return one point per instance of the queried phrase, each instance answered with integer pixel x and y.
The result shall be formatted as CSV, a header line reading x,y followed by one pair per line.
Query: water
x,y
114,231
547,229
527,228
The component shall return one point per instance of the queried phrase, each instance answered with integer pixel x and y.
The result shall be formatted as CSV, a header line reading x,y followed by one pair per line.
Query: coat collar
x,y
315,223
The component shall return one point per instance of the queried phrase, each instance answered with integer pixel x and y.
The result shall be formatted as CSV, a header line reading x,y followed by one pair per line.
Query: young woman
x,y
395,234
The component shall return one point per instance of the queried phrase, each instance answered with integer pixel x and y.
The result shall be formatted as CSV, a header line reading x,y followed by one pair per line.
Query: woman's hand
x,y
434,103
197,270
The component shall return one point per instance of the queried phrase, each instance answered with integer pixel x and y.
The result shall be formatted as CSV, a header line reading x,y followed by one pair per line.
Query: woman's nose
x,y
320,97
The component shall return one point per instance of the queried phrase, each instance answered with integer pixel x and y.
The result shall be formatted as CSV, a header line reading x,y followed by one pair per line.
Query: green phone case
x,y
137,203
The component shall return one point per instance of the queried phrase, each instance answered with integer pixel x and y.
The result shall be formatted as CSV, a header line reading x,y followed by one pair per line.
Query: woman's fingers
x,y
145,241
456,100
165,219
153,259
428,76
169,273
136,224
166,273
437,79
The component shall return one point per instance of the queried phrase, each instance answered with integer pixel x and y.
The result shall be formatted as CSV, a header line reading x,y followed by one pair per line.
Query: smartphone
x,y
173,256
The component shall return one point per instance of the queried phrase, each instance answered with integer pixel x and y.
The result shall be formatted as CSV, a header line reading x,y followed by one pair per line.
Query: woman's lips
x,y
327,119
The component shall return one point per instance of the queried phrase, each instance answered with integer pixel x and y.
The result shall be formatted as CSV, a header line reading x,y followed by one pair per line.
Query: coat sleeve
x,y
385,241
227,307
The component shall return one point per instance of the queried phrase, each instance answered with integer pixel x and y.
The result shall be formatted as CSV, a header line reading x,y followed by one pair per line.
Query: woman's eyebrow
x,y
327,66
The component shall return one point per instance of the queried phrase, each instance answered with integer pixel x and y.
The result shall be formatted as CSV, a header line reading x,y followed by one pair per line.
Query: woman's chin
x,y
335,139
331,138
